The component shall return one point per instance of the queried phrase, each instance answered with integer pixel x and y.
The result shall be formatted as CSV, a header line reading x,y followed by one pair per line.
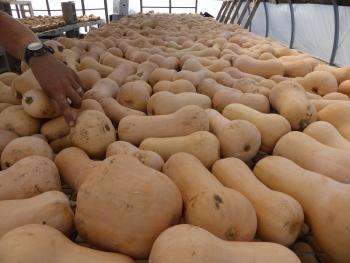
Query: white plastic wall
x,y
314,29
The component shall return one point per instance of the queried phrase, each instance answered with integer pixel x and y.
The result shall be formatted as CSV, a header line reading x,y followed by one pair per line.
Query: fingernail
x,y
71,123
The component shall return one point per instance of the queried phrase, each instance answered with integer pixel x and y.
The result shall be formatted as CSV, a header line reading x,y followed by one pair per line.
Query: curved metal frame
x,y
336,32
241,17
292,20
267,19
236,11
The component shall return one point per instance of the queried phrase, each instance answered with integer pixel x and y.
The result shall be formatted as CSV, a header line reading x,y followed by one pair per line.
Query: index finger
x,y
66,110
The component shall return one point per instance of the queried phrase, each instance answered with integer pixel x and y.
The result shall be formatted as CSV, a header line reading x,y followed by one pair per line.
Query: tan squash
x,y
115,111
165,102
290,100
143,72
135,95
90,63
297,68
208,204
33,239
176,87
8,77
341,74
309,189
130,191
322,103
280,217
93,132
50,208
58,127
224,97
338,114
4,106
164,62
191,244
304,150
24,82
271,126
237,74
7,95
326,133
194,77
320,82
5,138
29,177
210,87
222,78
202,144
160,74
336,96
88,77
111,61
344,87
263,68
22,147
121,73
37,104
248,85
185,121
115,51
15,119
149,158
103,88
238,138
74,165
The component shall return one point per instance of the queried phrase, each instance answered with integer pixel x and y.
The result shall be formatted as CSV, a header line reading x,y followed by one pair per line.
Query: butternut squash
x,y
149,158
337,114
135,95
165,102
115,51
248,85
103,88
7,95
341,74
88,77
191,244
271,126
224,97
50,208
90,63
176,87
33,239
143,72
283,175
290,100
4,106
322,103
115,111
194,77
93,133
320,82
263,68
210,87
238,138
208,204
130,191
22,147
29,177
25,82
202,144
334,162
344,87
326,133
37,104
280,217
121,73
15,119
336,96
5,138
163,62
297,68
8,77
185,121
58,127
107,59
160,74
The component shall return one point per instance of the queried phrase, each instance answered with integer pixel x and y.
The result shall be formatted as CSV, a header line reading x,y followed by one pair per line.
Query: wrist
x,y
34,50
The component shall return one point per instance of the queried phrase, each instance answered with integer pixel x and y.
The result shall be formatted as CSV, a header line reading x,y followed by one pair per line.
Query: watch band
x,y
37,53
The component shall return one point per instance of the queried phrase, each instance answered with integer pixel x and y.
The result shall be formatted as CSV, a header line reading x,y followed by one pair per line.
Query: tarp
x,y
314,29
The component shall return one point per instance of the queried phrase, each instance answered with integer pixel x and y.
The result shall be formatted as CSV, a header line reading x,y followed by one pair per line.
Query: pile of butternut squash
x,y
196,142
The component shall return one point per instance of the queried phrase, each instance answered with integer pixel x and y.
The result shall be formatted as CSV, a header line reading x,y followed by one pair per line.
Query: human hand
x,y
60,83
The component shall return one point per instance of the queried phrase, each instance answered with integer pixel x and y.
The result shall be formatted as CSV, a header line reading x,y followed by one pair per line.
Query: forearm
x,y
14,36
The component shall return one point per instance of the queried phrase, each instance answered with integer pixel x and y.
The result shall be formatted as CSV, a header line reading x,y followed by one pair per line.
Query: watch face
x,y
35,46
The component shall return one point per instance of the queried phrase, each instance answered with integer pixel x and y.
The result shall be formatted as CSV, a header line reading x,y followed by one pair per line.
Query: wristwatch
x,y
36,49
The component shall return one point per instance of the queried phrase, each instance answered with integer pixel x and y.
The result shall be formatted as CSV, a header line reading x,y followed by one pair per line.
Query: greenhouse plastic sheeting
x,y
314,29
